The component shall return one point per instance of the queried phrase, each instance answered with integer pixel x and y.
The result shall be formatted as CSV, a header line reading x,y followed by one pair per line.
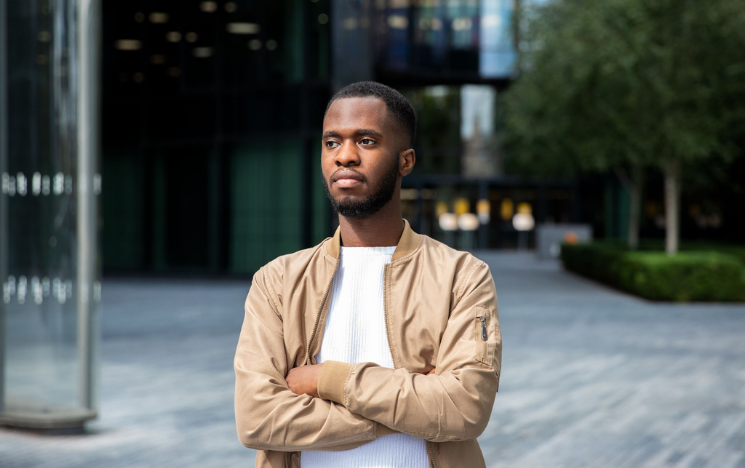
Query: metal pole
x,y
3,197
88,43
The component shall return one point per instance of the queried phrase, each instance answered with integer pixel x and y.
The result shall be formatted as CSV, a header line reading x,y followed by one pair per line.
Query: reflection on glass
x,y
50,283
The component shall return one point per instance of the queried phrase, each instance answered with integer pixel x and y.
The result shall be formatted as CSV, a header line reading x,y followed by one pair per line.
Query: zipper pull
x,y
483,327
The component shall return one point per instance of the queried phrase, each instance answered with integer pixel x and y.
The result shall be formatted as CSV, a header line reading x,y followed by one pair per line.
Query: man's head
x,y
368,131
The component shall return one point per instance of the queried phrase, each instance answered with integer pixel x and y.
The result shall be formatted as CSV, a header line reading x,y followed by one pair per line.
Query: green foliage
x,y
693,275
438,132
606,84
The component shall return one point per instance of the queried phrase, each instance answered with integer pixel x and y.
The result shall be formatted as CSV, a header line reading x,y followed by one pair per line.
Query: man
x,y
379,347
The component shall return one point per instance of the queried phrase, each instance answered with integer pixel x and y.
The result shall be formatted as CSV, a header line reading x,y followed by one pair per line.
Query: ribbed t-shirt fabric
x,y
356,332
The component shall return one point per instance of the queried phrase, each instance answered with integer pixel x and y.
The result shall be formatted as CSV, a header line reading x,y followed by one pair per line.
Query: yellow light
x,y
524,207
441,208
462,206
507,209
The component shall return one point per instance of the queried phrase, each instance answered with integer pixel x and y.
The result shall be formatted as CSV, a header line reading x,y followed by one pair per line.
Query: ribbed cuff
x,y
332,380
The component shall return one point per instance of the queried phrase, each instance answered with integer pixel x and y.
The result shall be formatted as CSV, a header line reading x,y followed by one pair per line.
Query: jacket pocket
x,y
486,332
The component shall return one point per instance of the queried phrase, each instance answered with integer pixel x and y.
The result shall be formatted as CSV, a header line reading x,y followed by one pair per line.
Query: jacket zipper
x,y
318,314
287,459
386,269
431,453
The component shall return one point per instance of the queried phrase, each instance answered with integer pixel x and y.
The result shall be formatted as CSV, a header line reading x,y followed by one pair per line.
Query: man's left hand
x,y
304,380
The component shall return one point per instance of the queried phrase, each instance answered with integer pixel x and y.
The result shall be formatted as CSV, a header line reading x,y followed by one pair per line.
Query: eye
x,y
330,144
367,141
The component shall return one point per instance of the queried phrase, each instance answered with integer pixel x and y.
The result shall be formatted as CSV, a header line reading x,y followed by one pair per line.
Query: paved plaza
x,y
591,378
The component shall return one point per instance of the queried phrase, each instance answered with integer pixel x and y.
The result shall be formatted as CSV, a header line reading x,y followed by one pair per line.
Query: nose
x,y
347,155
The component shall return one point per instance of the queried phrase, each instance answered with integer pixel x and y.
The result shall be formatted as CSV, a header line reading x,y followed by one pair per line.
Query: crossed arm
x,y
304,380
278,408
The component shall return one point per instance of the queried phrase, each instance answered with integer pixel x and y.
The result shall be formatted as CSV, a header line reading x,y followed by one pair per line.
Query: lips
x,y
347,178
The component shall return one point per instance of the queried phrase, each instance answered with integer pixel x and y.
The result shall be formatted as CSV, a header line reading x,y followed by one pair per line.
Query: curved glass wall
x,y
48,211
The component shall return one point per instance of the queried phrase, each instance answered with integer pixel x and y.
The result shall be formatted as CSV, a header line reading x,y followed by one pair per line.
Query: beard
x,y
353,208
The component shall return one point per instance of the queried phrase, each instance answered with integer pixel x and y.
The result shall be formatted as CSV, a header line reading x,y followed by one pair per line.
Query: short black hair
x,y
395,102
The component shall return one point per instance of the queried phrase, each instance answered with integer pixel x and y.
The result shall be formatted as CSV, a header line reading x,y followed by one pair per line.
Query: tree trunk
x,y
633,183
671,170
635,191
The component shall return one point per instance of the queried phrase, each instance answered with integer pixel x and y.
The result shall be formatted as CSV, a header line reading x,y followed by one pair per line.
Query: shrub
x,y
688,276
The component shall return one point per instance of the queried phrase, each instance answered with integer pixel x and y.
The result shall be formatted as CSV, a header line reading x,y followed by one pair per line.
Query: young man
x,y
379,347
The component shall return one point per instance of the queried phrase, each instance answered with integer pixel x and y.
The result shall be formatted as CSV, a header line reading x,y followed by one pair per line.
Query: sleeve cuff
x,y
332,380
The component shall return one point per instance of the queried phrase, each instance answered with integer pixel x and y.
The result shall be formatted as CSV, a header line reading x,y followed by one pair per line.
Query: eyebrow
x,y
358,132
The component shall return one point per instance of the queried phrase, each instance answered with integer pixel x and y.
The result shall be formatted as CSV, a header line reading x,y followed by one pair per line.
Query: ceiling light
x,y
191,37
398,22
230,7
254,44
271,44
128,44
158,17
208,7
173,36
242,28
202,52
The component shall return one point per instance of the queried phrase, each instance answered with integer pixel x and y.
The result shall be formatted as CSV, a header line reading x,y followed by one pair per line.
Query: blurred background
x,y
172,148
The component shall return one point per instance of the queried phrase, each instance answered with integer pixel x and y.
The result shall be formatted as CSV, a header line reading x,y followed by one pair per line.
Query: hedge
x,y
688,276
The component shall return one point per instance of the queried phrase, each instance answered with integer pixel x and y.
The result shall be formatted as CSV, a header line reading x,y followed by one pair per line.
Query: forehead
x,y
356,112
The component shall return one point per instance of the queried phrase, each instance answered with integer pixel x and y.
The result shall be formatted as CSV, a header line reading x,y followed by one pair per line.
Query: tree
x,y
620,85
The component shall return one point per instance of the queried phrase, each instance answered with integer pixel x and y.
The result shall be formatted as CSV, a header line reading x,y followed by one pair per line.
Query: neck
x,y
382,229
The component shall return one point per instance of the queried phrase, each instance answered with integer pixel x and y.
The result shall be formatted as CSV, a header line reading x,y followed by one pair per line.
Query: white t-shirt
x,y
356,332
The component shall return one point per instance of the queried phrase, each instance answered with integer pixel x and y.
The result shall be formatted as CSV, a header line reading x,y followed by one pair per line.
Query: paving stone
x,y
591,378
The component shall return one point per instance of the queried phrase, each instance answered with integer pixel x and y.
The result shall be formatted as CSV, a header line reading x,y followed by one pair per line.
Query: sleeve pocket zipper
x,y
484,336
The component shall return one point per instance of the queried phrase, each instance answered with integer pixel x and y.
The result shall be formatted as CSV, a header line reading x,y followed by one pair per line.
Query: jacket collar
x,y
406,244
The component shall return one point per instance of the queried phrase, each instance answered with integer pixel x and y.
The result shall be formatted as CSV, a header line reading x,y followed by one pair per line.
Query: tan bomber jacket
x,y
440,310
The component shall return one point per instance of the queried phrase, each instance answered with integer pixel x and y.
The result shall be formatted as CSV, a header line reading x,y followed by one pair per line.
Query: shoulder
x,y
467,270
435,250
290,264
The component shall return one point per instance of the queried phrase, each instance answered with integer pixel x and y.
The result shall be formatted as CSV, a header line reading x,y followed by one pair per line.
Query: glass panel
x,y
49,189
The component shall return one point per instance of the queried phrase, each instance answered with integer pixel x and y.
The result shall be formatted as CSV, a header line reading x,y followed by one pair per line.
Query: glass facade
x,y
49,212
212,116
445,41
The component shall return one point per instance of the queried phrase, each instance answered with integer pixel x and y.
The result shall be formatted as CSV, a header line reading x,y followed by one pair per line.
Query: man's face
x,y
360,156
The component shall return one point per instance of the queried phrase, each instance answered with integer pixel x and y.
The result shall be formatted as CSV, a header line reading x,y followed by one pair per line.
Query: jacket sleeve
x,y
456,403
269,416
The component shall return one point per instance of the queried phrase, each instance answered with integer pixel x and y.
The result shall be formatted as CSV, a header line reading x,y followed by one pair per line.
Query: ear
x,y
407,159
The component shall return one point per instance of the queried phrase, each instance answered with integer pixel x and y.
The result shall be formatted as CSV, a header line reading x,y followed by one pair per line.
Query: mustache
x,y
346,169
